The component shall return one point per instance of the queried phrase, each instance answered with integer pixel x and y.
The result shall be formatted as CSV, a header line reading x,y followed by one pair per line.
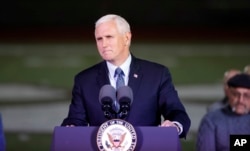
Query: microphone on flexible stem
x,y
125,99
107,96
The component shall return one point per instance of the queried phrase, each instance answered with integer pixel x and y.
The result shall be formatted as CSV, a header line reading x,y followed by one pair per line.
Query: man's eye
x,y
98,39
109,36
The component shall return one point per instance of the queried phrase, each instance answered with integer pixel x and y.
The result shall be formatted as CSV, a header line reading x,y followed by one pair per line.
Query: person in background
x,y
216,126
219,104
154,94
2,136
247,69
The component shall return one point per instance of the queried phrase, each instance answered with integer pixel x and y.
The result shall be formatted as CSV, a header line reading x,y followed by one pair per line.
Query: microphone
x,y
107,96
125,99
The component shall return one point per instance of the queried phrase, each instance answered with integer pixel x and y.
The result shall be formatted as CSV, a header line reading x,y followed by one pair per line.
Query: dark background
x,y
160,19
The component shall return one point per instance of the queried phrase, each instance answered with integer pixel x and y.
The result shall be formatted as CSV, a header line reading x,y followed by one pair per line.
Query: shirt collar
x,y
125,67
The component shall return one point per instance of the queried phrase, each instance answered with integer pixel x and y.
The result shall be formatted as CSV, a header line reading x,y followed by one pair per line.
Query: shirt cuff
x,y
180,127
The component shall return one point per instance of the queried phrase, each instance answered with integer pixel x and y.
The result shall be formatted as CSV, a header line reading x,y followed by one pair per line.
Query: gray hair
x,y
122,25
247,69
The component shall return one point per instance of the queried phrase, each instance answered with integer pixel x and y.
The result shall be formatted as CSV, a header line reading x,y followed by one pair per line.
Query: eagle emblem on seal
x,y
115,141
116,135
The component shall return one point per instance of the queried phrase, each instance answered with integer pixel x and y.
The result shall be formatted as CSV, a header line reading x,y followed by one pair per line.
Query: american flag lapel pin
x,y
136,75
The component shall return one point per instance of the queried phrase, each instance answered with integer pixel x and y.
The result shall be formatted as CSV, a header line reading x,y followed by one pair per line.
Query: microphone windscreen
x,y
125,93
107,94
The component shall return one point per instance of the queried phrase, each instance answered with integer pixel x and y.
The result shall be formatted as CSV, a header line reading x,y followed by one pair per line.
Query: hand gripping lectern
x,y
85,139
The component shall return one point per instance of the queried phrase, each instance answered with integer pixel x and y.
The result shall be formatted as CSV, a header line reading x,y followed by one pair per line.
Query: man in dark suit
x,y
154,95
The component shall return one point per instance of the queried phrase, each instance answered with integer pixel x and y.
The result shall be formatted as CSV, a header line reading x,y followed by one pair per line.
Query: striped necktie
x,y
120,80
119,83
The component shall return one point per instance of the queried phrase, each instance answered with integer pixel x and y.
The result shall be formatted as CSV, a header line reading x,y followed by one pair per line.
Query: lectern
x,y
84,139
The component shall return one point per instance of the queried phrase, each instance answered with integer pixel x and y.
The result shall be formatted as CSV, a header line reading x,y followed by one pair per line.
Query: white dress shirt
x,y
125,68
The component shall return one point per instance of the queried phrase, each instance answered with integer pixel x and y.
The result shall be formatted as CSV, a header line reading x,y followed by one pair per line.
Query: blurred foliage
x,y
56,64
28,141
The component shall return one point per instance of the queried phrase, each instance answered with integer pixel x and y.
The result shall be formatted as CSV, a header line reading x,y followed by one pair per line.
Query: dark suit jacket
x,y
153,91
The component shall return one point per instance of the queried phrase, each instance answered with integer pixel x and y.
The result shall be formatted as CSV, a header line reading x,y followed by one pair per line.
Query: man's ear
x,y
128,36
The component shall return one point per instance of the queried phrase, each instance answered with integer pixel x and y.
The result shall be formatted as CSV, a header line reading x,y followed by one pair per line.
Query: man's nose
x,y
104,43
241,98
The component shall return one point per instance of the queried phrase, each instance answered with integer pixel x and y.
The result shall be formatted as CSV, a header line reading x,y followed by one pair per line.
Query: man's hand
x,y
70,125
168,123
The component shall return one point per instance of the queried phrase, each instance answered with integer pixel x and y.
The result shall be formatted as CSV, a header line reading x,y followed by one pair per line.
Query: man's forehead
x,y
239,89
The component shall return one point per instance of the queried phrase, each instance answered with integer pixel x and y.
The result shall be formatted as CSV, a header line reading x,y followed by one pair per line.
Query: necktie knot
x,y
118,72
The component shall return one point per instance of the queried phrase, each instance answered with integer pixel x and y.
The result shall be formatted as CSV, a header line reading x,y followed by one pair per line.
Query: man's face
x,y
239,99
112,45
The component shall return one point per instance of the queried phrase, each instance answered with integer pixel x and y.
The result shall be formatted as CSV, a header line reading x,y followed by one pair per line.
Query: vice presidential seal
x,y
116,135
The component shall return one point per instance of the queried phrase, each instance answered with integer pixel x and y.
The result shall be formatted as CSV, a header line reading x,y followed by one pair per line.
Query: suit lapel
x,y
102,76
135,75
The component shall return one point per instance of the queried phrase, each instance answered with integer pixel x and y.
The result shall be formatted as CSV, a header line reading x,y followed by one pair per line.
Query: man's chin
x,y
107,57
